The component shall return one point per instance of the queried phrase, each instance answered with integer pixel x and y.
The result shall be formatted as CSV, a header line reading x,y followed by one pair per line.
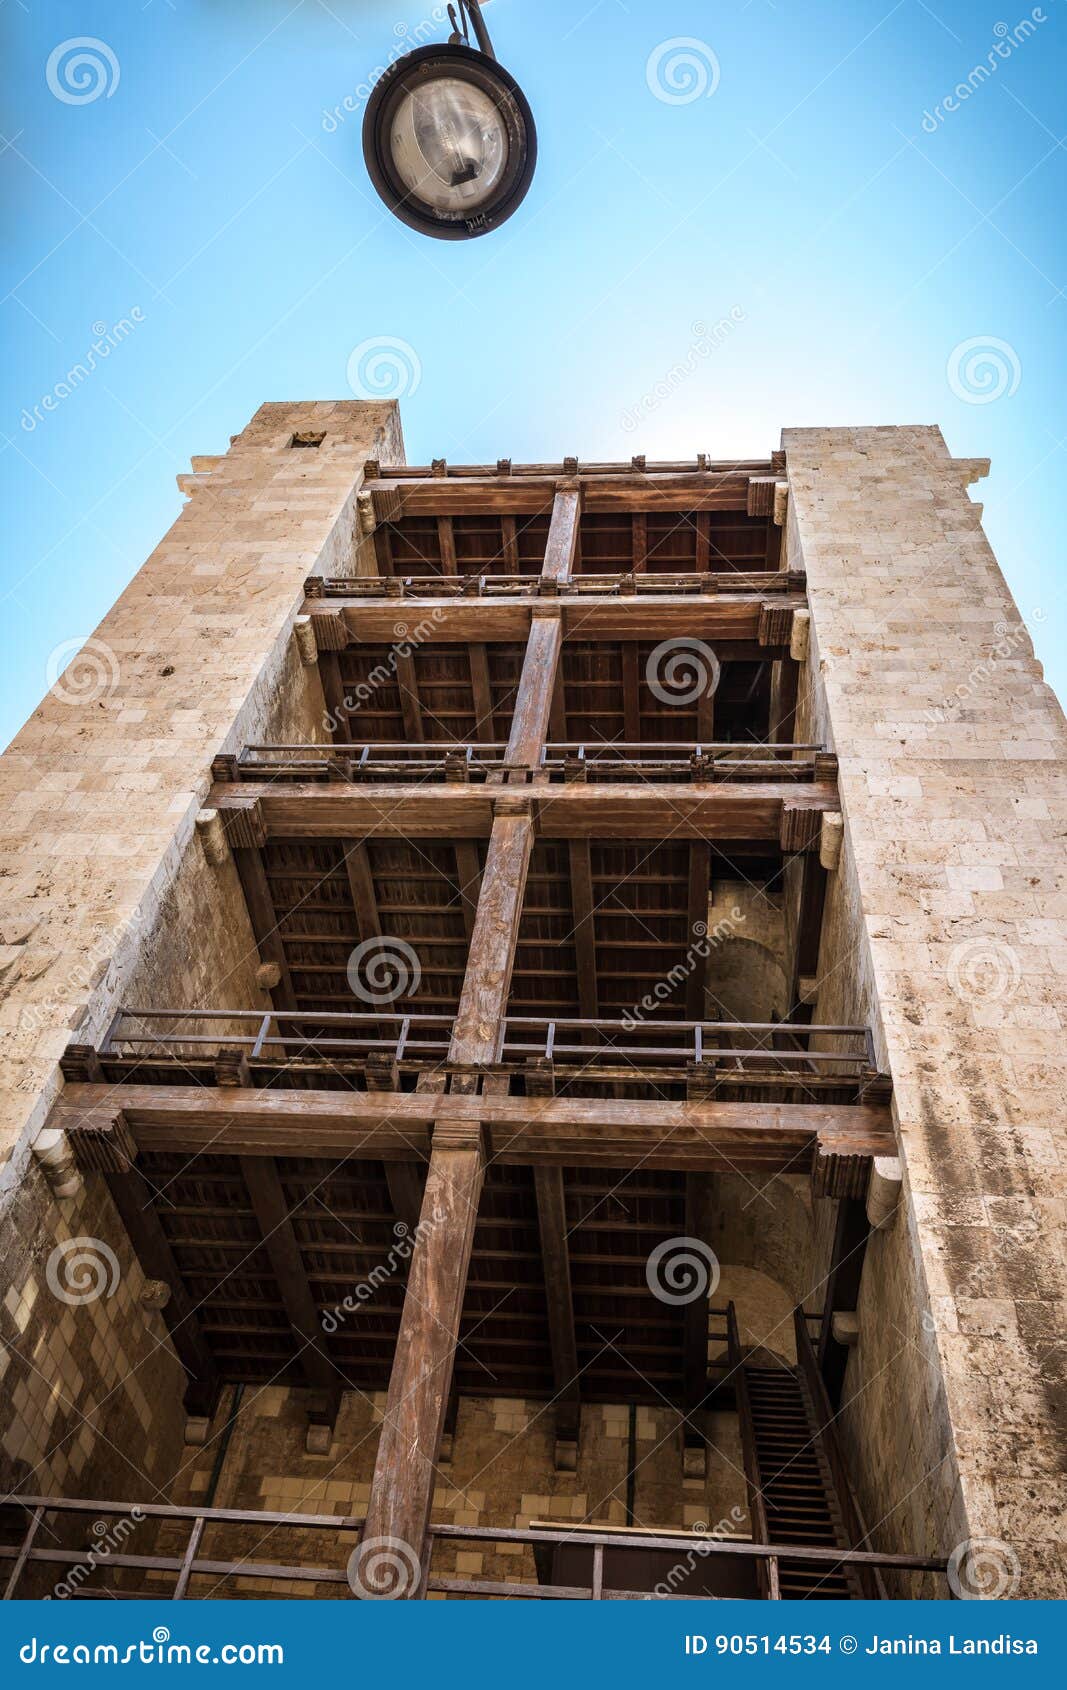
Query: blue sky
x,y
814,192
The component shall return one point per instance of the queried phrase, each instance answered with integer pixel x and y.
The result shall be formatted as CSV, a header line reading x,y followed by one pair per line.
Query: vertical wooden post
x,y
533,700
398,1513
552,1223
563,531
391,1556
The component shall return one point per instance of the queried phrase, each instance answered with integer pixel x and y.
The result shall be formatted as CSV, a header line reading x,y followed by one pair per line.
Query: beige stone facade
x,y
945,929
948,926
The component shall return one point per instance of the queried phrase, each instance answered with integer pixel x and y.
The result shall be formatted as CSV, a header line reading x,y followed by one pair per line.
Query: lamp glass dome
x,y
449,144
449,141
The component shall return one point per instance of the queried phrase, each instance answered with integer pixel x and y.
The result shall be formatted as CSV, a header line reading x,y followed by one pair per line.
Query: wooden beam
x,y
533,700
406,1190
749,811
408,682
478,1027
696,984
481,691
562,1131
639,541
446,541
563,530
783,707
715,617
555,1254
264,922
405,1468
808,937
631,692
361,886
698,1196
847,1254
509,545
135,1201
469,877
333,693
533,495
584,927
383,552
260,1174
702,542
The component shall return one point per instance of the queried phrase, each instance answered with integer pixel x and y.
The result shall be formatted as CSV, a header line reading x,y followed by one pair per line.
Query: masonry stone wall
x,y
501,1473
107,898
947,927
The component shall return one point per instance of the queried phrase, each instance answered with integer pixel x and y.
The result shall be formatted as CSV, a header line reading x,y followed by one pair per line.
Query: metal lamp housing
x,y
449,77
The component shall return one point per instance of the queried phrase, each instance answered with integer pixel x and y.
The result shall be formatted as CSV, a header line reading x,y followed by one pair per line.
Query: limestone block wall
x,y
948,925
90,1388
107,898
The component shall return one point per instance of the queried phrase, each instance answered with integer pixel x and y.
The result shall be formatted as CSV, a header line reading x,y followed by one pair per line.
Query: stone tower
x,y
532,1010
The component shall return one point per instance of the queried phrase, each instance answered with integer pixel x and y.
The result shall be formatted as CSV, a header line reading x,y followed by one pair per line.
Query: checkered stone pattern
x,y
90,1390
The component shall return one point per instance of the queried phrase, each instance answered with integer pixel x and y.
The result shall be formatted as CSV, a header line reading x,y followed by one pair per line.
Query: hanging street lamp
x,y
448,135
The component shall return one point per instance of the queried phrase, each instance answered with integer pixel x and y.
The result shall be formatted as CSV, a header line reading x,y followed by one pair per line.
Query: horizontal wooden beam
x,y
724,617
780,811
398,1126
534,495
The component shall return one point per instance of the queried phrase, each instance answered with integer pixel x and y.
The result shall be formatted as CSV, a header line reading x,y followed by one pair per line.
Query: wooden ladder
x,y
799,1496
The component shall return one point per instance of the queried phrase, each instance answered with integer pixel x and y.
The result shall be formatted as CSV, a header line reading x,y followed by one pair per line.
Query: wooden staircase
x,y
799,1498
798,1486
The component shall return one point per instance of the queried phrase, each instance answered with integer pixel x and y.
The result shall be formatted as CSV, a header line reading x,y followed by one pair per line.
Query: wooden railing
x,y
192,1562
563,760
614,584
751,1050
853,1522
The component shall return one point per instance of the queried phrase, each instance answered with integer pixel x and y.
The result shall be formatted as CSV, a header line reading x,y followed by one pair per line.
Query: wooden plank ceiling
x,y
467,693
345,1226
659,542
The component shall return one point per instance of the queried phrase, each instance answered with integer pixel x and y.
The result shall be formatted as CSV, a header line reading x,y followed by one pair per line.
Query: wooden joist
x,y
135,1201
396,1126
555,1251
260,908
732,617
766,811
532,495
274,1219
